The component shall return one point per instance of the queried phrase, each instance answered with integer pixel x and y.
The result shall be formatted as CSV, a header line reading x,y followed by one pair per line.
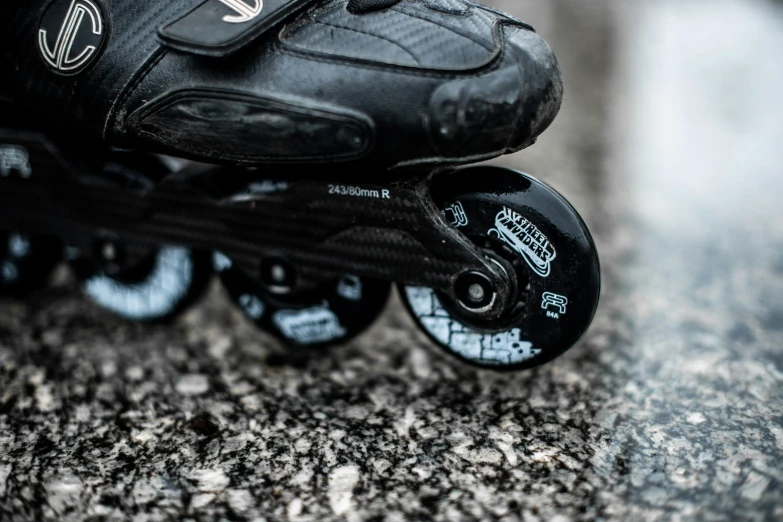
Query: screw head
x,y
110,254
475,292
278,275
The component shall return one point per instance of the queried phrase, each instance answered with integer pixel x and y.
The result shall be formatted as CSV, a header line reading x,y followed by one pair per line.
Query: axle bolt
x,y
110,254
278,275
475,292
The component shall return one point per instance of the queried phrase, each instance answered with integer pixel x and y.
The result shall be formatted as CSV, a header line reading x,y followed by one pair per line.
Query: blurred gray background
x,y
669,144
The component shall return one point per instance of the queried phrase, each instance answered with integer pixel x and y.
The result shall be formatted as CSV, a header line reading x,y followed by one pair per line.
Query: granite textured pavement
x,y
670,408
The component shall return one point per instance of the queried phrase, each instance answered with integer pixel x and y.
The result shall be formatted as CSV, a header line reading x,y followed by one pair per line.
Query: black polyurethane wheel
x,y
533,229
143,284
158,288
332,314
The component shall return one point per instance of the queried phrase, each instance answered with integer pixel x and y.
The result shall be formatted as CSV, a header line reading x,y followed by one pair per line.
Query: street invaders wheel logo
x,y
72,35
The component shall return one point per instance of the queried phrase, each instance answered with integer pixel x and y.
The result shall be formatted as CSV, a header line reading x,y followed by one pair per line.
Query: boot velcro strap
x,y
221,27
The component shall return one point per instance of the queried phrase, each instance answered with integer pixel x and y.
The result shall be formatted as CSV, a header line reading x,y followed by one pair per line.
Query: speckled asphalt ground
x,y
670,408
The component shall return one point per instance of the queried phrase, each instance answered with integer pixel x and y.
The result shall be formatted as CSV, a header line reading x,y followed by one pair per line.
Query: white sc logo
x,y
80,32
245,12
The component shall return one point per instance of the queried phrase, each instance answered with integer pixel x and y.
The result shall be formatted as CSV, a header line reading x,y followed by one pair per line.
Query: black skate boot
x,y
334,128
381,82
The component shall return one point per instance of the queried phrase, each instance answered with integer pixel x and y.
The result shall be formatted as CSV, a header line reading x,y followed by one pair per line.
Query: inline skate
x,y
308,152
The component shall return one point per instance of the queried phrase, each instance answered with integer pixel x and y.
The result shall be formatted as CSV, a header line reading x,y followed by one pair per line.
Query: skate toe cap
x,y
542,84
503,110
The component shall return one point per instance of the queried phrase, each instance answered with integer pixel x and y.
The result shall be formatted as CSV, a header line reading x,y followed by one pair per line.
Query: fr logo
x,y
71,35
245,12
455,215
555,305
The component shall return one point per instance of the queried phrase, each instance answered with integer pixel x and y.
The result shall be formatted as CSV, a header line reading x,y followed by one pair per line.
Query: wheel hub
x,y
477,294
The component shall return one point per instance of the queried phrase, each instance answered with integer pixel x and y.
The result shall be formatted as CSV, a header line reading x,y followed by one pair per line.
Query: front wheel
x,y
531,229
